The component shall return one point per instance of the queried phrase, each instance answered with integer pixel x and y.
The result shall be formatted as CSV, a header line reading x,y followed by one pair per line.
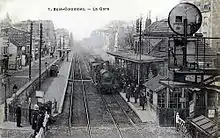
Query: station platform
x,y
146,116
54,88
13,126
58,85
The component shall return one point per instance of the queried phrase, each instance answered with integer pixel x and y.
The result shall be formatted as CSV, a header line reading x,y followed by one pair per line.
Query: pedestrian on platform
x,y
49,107
136,93
45,122
35,114
29,109
132,89
18,115
124,86
142,100
40,120
128,93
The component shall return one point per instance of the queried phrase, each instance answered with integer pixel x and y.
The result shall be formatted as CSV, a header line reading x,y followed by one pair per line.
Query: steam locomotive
x,y
102,75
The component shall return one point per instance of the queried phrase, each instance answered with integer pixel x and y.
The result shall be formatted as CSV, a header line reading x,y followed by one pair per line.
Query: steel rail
x,y
85,102
71,94
130,120
112,117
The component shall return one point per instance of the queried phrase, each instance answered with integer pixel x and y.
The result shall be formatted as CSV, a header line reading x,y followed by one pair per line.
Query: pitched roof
x,y
153,84
17,37
159,26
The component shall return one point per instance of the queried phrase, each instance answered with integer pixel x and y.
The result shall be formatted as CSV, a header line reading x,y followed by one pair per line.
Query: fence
x,y
181,126
24,114
167,116
23,95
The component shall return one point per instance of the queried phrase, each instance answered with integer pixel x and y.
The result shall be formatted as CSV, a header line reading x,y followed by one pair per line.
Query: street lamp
x,y
15,88
46,67
4,84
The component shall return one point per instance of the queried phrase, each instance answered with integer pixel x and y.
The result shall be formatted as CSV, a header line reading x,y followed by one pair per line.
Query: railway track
x,y
87,113
118,115
87,110
79,79
85,103
112,117
71,93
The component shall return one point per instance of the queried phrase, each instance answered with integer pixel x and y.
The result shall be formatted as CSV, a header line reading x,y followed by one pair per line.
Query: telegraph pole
x,y
60,47
185,45
63,46
41,33
140,39
30,56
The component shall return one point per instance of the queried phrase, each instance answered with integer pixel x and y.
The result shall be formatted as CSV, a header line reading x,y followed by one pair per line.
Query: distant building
x,y
4,43
210,10
48,34
62,37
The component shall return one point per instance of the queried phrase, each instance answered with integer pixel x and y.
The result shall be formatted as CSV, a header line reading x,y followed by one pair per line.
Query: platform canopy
x,y
135,57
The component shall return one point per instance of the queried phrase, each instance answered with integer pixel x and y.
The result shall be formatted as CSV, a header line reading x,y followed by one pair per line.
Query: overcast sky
x,y
81,23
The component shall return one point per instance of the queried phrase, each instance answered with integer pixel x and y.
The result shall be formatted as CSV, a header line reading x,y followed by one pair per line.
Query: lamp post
x,y
4,84
46,67
15,87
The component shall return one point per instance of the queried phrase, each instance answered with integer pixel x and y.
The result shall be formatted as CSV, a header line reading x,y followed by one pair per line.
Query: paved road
x,y
20,78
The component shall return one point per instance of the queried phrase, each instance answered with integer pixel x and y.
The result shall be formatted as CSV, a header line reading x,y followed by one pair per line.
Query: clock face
x,y
188,12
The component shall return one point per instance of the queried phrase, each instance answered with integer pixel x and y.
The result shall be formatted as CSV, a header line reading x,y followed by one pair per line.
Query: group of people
x,y
39,117
132,89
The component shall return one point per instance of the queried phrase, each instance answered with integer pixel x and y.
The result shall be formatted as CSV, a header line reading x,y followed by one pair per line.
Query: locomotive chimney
x,y
106,65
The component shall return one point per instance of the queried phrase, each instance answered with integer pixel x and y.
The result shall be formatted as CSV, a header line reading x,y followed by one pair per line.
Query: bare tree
x,y
125,34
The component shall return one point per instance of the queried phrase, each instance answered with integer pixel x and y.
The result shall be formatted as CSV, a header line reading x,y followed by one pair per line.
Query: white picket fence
x,y
181,126
41,133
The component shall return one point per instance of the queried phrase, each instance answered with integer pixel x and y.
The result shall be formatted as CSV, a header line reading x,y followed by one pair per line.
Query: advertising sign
x,y
40,100
211,113
40,94
191,108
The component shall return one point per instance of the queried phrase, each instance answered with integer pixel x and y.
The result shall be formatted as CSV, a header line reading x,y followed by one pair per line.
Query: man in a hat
x,y
18,115
46,119
40,120
128,93
142,99
136,93
34,118
15,87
